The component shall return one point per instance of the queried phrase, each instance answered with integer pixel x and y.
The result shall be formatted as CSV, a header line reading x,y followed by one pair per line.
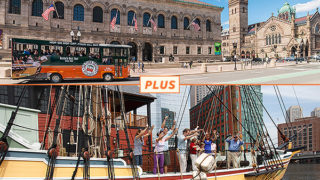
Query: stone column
x,y
139,53
24,16
3,12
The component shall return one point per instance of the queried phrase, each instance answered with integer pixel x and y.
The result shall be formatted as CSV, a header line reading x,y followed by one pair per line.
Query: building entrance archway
x,y
306,53
243,54
253,54
133,51
293,51
147,52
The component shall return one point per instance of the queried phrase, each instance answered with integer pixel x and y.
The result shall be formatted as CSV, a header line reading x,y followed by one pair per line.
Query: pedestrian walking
x,y
142,67
139,66
190,64
133,67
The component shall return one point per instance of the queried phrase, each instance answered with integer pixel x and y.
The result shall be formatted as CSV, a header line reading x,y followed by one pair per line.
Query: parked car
x,y
316,57
227,59
289,58
245,60
300,59
257,60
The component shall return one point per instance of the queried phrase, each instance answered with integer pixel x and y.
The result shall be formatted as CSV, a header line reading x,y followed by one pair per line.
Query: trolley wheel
x,y
107,77
55,78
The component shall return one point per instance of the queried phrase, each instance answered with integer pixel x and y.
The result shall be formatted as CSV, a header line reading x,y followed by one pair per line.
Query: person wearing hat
x,y
235,144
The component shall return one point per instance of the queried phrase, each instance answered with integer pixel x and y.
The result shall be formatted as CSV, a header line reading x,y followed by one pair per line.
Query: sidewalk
x,y
211,68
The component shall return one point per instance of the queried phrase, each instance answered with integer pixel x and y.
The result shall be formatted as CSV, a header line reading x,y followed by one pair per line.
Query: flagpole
x,y
149,20
133,18
55,9
191,23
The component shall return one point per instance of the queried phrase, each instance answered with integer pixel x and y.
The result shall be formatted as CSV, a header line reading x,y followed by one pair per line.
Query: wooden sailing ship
x,y
103,113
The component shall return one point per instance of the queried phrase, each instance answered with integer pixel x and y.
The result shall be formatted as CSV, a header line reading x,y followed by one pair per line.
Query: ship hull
x,y
26,164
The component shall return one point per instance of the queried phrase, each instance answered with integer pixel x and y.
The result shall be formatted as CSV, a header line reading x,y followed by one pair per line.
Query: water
x,y
302,172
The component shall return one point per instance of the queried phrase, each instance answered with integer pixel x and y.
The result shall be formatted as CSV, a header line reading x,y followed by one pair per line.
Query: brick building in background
x,y
307,130
210,114
36,99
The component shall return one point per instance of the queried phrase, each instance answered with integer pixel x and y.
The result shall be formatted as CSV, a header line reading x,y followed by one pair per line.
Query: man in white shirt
x,y
182,147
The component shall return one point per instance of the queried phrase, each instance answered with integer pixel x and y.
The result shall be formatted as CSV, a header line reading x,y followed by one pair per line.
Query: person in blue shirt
x,y
234,153
209,143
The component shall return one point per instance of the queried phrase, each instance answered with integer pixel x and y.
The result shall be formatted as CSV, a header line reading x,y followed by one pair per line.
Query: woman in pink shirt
x,y
158,155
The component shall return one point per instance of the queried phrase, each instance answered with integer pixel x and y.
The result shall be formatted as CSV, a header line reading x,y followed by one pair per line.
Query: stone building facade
x,y
283,35
22,19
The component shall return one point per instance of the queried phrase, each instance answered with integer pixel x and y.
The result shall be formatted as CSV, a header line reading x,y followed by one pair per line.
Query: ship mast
x,y
234,110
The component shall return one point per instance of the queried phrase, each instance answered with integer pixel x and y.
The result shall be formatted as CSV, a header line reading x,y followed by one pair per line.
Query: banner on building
x,y
217,48
1,37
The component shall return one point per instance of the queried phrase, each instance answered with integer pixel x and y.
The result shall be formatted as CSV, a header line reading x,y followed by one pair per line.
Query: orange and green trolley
x,y
57,61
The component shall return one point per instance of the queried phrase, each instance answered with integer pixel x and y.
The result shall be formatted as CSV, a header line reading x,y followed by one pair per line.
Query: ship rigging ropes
x,y
52,151
4,146
262,141
134,170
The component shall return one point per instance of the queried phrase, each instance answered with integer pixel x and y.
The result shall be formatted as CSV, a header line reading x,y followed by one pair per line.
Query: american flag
x,y
45,15
135,23
154,24
196,26
113,22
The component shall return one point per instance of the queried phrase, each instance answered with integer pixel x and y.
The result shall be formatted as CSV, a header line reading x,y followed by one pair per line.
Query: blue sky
x,y
261,10
308,97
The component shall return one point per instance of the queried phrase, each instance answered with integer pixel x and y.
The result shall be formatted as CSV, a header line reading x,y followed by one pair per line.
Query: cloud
x,y
308,6
225,23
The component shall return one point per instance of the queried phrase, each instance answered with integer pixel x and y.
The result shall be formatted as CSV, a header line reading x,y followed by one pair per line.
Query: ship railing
x,y
134,120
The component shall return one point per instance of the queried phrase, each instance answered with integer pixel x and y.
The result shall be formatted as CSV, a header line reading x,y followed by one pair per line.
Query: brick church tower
x,y
238,23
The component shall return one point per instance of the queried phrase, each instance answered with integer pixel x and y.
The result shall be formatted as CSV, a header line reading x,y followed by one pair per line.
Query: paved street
x,y
283,73
300,74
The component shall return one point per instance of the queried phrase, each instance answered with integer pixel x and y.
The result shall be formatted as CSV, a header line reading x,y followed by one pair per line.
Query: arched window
x,y
279,36
198,22
115,13
37,8
146,18
186,23
267,41
131,15
232,11
208,25
15,6
78,13
60,9
174,22
97,14
317,28
276,39
161,21
272,39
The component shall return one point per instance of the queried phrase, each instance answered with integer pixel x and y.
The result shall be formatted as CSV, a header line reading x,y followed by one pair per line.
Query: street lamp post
x,y
75,39
235,53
